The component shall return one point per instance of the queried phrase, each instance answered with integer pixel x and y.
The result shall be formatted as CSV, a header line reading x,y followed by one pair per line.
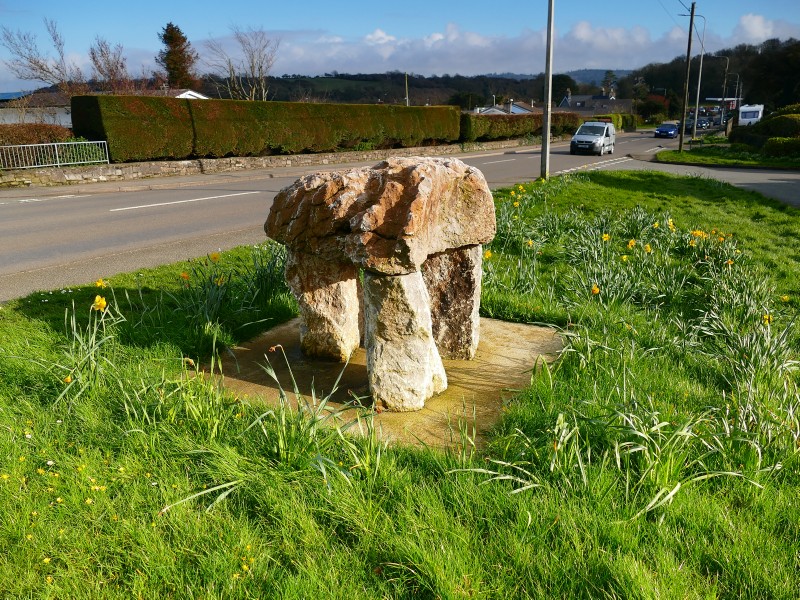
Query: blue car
x,y
667,130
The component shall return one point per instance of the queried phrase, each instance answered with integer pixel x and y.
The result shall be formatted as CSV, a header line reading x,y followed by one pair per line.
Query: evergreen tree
x,y
177,58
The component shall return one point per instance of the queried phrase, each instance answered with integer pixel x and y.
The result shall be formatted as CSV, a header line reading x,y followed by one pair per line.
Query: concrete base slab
x,y
506,357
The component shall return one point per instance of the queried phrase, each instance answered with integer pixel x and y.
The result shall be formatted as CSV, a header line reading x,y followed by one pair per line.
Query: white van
x,y
750,113
594,137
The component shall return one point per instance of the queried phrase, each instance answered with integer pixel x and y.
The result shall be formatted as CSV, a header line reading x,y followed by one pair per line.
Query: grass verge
x,y
657,458
711,152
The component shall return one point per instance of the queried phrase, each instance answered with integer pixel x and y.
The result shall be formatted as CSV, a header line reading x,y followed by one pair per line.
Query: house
x,y
54,107
184,93
512,107
588,105
35,107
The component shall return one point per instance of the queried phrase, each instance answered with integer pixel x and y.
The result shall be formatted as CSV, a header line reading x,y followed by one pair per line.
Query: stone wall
x,y
52,176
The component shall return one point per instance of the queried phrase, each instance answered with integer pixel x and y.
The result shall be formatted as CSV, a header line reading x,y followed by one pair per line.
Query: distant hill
x,y
588,76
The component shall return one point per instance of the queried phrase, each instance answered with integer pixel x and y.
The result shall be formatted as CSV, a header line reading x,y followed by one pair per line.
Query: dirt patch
x,y
506,357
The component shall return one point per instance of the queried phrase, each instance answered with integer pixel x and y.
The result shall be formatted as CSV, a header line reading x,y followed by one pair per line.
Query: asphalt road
x,y
52,238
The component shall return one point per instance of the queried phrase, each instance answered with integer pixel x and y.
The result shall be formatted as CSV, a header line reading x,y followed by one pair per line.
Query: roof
x,y
518,108
173,93
6,96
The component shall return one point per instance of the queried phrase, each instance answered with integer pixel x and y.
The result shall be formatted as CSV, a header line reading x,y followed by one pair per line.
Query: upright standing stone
x,y
403,365
329,300
453,280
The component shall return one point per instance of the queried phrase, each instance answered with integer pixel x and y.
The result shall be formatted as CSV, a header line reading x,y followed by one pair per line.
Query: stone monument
x,y
390,254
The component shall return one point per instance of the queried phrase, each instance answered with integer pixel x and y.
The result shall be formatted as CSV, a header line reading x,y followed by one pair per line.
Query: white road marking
x,y
45,199
491,162
596,166
180,201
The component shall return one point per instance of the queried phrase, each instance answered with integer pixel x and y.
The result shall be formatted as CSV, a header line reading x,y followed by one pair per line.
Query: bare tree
x,y
29,63
244,76
109,67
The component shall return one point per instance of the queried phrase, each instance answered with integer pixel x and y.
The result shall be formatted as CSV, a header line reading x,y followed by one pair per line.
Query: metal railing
x,y
53,155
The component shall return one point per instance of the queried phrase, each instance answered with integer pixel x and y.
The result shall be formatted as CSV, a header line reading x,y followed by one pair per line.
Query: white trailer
x,y
750,113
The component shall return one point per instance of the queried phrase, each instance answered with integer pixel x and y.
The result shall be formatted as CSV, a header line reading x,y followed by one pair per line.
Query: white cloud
x,y
753,29
379,36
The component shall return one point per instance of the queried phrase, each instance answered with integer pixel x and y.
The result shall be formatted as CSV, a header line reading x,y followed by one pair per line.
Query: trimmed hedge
x,y
782,146
137,128
485,128
21,134
148,128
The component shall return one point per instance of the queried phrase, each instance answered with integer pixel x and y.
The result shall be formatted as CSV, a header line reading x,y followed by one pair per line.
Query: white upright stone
x,y
403,364
329,300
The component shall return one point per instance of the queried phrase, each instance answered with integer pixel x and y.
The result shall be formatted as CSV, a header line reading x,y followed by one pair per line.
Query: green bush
x,y
482,128
791,109
782,146
615,118
564,123
748,135
784,125
21,134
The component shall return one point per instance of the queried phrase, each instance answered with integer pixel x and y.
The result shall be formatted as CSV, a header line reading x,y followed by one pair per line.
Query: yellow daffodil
x,y
595,289
647,248
487,255
631,244
529,243
624,258
214,257
68,379
606,237
767,319
671,225
655,225
99,303
785,298
516,204
100,283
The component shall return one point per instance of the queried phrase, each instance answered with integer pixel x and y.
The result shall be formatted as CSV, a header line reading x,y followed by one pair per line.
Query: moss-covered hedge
x,y
20,134
148,128
782,146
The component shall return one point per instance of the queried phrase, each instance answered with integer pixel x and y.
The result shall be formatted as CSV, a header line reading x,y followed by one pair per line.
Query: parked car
x,y
594,137
667,130
703,123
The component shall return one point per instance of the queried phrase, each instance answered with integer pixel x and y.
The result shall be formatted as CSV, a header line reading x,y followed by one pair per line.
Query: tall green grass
x,y
658,457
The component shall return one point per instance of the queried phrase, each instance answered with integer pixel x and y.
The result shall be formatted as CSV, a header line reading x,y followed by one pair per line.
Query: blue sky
x,y
427,37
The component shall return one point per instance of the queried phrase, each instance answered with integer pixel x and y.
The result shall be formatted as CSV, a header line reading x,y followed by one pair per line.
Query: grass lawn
x,y
714,150
658,458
